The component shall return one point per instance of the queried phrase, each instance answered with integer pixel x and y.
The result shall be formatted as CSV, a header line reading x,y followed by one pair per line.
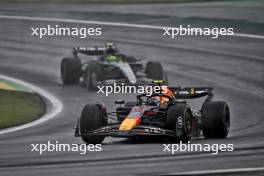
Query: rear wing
x,y
192,92
92,51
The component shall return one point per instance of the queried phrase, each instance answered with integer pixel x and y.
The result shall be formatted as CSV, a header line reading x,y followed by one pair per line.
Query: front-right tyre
x,y
179,119
215,119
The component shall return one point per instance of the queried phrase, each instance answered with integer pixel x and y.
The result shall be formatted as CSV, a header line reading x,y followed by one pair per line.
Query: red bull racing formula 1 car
x,y
164,114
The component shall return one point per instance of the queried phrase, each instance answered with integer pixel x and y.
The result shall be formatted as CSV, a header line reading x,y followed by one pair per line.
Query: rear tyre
x,y
70,70
92,117
179,119
215,119
154,70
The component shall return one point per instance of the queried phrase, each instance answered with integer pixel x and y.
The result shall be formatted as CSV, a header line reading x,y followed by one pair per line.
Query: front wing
x,y
113,131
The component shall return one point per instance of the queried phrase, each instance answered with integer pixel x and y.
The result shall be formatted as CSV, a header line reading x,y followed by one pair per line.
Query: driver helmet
x,y
154,101
110,48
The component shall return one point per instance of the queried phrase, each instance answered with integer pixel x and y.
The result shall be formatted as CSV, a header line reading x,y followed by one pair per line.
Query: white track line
x,y
56,106
108,24
219,171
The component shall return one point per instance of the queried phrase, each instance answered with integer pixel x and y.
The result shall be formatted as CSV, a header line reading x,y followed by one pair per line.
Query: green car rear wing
x,y
92,51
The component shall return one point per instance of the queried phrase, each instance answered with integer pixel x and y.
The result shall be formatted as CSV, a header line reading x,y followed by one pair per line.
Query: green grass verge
x,y
17,108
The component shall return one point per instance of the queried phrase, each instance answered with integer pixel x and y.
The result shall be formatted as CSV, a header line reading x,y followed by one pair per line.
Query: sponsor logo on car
x,y
154,130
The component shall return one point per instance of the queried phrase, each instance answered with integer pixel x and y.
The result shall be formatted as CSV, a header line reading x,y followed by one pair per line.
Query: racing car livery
x,y
160,114
108,67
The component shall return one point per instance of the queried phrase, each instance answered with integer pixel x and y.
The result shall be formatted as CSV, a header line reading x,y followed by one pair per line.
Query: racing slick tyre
x,y
215,119
179,119
93,75
92,117
154,70
70,70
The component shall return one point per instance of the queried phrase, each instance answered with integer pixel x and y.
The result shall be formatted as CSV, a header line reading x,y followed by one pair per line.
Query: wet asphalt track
x,y
233,65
